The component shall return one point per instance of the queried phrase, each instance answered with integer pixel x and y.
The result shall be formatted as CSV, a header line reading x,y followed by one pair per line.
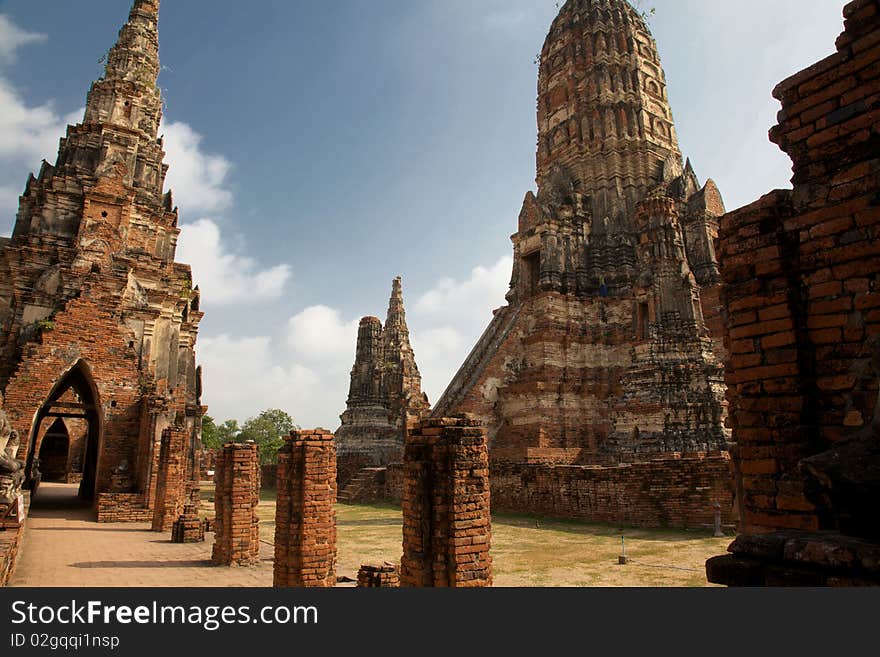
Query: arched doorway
x,y
81,404
55,453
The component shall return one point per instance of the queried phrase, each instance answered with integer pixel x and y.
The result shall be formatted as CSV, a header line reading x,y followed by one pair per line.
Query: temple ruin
x,y
609,351
385,395
97,320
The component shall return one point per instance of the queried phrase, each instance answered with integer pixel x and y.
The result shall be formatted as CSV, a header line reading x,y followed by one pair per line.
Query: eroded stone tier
x,y
610,348
385,394
91,299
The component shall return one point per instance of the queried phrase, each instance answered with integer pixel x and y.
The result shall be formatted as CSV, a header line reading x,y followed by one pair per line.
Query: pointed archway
x,y
86,406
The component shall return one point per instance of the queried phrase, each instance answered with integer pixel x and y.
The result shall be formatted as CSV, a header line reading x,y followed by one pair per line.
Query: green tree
x,y
268,430
210,437
229,432
214,436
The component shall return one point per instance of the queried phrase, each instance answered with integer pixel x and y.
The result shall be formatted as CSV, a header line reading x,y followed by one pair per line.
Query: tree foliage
x,y
268,430
214,436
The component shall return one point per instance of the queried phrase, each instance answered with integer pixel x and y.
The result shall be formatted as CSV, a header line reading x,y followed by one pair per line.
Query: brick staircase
x,y
365,486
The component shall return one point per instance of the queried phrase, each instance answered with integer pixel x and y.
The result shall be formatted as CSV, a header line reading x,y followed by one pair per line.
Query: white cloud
x,y
313,392
197,179
472,299
29,134
224,277
244,376
439,353
319,333
13,37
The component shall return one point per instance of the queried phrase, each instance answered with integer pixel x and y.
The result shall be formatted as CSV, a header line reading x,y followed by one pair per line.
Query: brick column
x,y
170,479
446,523
236,495
305,520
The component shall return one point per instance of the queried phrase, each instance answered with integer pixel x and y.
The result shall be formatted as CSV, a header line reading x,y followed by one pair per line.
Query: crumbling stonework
x,y
801,270
305,515
385,393
97,321
189,527
236,496
605,354
375,576
668,492
447,526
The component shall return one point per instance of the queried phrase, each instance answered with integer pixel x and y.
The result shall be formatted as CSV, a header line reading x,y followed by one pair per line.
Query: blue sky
x,y
318,149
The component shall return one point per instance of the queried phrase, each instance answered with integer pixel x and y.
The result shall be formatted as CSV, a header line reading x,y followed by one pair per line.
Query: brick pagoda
x,y
609,351
97,320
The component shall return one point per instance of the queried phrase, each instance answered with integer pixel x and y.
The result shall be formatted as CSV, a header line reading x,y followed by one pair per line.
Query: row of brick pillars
x,y
446,522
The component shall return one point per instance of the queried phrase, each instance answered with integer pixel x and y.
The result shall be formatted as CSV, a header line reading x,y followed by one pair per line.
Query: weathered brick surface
x,y
97,321
305,516
802,291
609,350
123,507
447,526
236,495
378,576
667,492
171,486
189,527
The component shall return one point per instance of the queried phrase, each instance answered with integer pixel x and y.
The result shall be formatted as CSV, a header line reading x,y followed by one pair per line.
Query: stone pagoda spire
x,y
117,139
611,345
385,392
396,330
604,121
127,94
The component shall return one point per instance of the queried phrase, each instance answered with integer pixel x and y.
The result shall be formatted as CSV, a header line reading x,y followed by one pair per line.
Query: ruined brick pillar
x,y
236,495
305,517
446,523
170,479
189,528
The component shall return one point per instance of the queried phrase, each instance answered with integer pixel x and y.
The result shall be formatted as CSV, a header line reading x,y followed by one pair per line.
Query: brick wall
x,y
123,507
802,289
802,293
663,493
446,518
236,495
305,520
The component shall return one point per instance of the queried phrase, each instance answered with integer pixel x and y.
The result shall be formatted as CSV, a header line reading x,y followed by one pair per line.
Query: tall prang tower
x,y
97,321
385,394
610,349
